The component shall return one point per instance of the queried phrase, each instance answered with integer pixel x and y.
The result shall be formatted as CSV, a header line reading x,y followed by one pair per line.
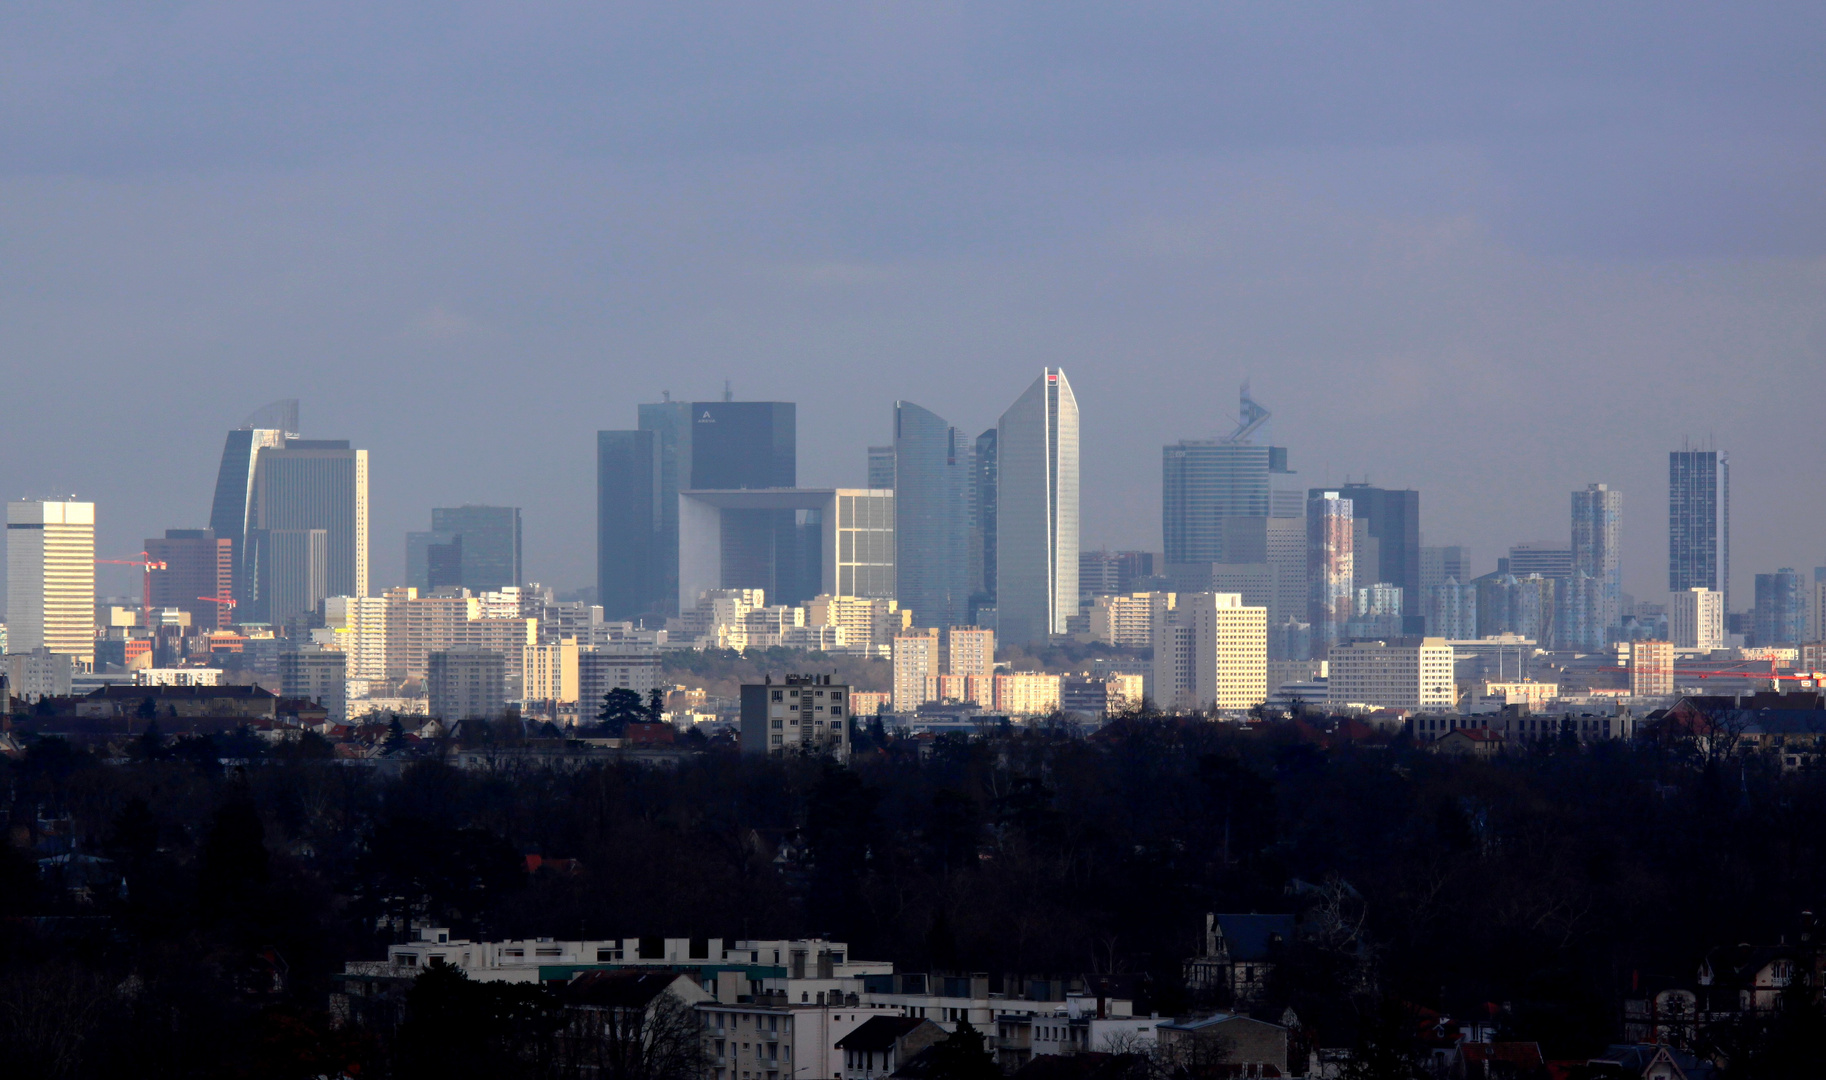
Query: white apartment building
x,y
1210,651
50,578
1391,676
356,626
1127,621
917,663
869,623
550,672
1696,619
1651,668
1027,693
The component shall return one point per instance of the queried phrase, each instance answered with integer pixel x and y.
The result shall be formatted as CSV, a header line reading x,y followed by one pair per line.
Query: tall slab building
x,y
1699,522
50,578
1036,560
1393,522
1206,482
1330,566
231,513
304,487
475,547
932,488
1597,555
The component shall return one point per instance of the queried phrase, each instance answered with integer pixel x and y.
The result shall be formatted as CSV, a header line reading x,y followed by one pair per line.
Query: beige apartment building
x,y
869,624
1210,651
1127,621
50,578
1397,676
1651,668
917,664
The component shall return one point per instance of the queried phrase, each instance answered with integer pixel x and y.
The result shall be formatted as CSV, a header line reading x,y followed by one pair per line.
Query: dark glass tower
x,y
1699,522
488,544
1394,522
630,575
932,481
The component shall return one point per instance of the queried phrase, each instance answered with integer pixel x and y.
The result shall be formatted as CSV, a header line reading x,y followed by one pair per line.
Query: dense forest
x,y
1543,883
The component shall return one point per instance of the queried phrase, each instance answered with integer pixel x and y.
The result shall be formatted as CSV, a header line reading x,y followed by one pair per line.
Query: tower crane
x,y
150,564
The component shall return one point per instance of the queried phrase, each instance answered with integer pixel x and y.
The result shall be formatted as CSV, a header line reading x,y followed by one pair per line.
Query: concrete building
x,y
488,541
1440,563
970,651
1597,551
881,468
316,674
1651,668
1111,573
356,626
1205,483
602,670
291,573
1696,619
869,623
1210,651
1452,610
1127,621
198,576
932,488
1037,513
39,673
802,714
1699,521
550,672
917,661
50,578
466,684
793,543
1027,693
1330,566
1392,676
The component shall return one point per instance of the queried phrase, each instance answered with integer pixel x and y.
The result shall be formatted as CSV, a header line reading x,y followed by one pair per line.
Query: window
x,y
409,959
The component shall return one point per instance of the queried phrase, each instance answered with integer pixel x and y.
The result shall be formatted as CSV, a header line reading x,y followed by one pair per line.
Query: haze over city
x,y
1492,256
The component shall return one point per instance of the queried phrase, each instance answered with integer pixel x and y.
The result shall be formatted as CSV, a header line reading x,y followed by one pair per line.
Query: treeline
x,y
1543,883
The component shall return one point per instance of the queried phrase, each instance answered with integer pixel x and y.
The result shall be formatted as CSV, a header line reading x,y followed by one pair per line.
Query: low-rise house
x,y
1225,1043
1239,955
884,1043
1469,742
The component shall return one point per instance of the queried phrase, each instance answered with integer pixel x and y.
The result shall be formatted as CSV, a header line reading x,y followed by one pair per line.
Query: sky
x,y
1491,252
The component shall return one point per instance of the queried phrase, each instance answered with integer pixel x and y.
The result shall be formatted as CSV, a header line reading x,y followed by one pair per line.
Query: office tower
x,y
1392,675
1546,559
50,578
792,543
488,544
1394,525
292,573
1330,566
982,531
1036,570
931,517
312,673
1528,606
1205,481
1210,651
1651,668
1780,617
679,446
1699,522
199,575
1452,610
916,663
1437,564
1111,573
231,514
302,486
881,468
434,560
1697,619
466,684
1597,538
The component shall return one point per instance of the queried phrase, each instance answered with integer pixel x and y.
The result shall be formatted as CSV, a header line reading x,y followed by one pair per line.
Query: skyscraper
x,y
1394,523
434,560
1206,481
1036,560
198,564
488,541
932,479
982,530
299,487
1597,551
1780,617
679,446
881,468
50,578
1330,566
231,513
1699,522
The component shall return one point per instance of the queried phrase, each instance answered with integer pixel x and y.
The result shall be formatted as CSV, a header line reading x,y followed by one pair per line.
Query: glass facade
x,y
1330,567
489,546
1693,520
1036,516
932,486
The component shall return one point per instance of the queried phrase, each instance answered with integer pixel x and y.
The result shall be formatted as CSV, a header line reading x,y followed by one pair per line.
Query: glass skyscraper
x,y
932,487
1699,522
1036,515
301,487
1392,519
1597,538
489,537
1330,566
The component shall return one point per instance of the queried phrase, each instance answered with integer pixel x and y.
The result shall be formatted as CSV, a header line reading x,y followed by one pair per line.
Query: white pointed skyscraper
x,y
1036,570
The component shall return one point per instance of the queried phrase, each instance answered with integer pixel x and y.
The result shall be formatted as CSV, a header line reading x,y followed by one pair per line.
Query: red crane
x,y
150,564
223,601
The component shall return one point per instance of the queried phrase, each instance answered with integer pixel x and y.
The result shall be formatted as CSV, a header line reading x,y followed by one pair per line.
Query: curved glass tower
x,y
1036,564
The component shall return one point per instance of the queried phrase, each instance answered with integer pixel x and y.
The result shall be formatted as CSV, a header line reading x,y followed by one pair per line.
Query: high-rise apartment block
x,y
1210,651
198,575
802,714
869,623
1330,566
466,684
1651,668
932,488
316,674
1699,521
1440,564
1696,619
1037,512
917,660
1597,552
1391,675
50,578
356,626
1127,621
1452,610
970,652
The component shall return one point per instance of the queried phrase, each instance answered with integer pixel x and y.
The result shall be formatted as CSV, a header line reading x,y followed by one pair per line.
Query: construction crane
x,y
222,601
150,564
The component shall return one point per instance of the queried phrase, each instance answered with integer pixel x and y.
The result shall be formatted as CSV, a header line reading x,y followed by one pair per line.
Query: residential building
x,y
1696,619
1239,954
466,684
1391,517
1330,567
37,673
1780,616
356,626
1699,521
1127,621
602,670
801,714
198,575
1392,675
869,623
302,487
917,660
1597,551
550,672
1037,512
1027,693
1437,564
932,481
1651,668
50,578
312,673
794,543
1452,610
1525,606
970,651
1210,652
885,1043
1225,1044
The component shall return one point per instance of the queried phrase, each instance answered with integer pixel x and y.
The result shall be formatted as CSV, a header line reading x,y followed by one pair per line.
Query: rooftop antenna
x,y
1251,416
728,394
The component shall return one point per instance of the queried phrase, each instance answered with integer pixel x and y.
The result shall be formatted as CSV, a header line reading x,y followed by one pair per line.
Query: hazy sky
x,y
1491,254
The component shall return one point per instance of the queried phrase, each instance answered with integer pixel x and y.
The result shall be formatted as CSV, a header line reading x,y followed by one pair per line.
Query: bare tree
x,y
619,1038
